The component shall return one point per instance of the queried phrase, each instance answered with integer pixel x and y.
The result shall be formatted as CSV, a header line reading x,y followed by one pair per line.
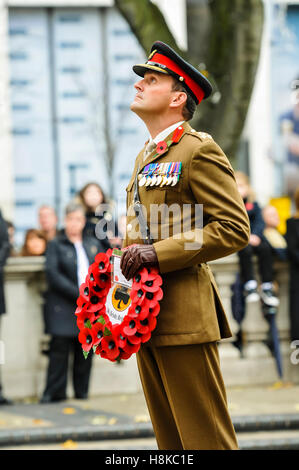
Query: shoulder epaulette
x,y
201,135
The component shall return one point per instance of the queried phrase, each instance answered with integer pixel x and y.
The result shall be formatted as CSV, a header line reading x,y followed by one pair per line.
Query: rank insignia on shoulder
x,y
202,135
161,174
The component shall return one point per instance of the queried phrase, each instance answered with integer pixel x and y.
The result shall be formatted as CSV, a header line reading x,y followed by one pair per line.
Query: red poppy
x,y
124,355
84,292
98,332
138,296
109,347
147,325
161,147
95,302
130,326
145,337
143,297
102,261
154,311
138,311
136,338
81,305
98,279
141,276
130,349
148,280
116,329
86,339
85,319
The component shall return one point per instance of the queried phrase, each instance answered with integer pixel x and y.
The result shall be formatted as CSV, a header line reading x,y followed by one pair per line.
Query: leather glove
x,y
136,257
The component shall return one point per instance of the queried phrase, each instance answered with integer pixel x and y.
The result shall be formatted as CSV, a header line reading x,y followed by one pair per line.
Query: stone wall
x,y
24,368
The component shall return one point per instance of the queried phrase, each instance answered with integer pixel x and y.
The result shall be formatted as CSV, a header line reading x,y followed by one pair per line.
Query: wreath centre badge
x,y
118,298
116,316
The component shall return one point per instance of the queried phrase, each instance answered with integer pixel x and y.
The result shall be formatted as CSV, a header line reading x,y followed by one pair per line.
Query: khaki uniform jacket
x,y
191,309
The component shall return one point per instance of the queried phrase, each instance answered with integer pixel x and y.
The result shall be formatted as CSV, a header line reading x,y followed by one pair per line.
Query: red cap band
x,y
171,65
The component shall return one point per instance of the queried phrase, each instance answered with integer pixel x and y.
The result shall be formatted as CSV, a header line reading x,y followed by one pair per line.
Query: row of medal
x,y
161,174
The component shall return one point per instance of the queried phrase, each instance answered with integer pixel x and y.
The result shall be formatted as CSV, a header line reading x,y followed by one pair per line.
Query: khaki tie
x,y
148,149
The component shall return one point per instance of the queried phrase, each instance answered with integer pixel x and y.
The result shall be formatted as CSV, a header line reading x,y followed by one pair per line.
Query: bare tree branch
x,y
224,36
147,23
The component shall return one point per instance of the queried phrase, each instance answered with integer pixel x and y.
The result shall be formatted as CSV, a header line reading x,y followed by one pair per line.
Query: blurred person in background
x,y
68,257
257,246
48,220
292,237
278,245
99,219
11,236
271,234
4,253
289,124
35,243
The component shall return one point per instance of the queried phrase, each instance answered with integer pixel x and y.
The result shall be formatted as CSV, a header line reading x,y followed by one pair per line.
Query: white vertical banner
x,y
174,12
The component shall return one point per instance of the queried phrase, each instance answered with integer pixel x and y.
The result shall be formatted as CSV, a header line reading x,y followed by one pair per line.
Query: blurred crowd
x,y
89,228
96,208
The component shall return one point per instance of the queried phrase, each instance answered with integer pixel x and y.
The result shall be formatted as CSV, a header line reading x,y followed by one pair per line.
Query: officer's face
x,y
153,94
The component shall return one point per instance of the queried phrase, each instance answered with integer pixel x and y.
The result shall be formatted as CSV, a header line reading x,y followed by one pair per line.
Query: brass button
x,y
129,227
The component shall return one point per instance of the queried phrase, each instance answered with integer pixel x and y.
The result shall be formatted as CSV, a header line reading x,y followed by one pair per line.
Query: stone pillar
x,y
22,326
225,271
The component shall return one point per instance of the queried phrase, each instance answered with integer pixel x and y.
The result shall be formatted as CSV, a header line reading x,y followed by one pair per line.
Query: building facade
x,y
66,83
66,90
271,121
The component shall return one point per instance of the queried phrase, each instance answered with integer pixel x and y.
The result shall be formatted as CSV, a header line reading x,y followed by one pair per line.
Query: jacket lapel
x,y
154,155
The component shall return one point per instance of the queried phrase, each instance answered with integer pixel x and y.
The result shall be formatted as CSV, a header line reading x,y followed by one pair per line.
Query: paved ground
x,y
118,417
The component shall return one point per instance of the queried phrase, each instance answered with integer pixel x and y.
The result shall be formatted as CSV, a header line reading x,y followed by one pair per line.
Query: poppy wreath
x,y
116,341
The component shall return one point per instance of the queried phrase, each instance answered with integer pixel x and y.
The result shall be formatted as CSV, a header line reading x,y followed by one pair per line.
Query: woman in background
x,y
35,243
99,220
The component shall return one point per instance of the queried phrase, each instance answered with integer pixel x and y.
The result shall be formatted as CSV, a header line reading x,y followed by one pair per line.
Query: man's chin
x,y
133,104
135,107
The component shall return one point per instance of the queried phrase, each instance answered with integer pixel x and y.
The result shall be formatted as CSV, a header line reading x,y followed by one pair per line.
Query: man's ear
x,y
179,99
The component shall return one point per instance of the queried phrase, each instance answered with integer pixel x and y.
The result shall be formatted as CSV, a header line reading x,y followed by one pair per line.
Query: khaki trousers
x,y
186,397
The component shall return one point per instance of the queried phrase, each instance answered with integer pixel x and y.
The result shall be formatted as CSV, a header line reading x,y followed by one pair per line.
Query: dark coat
x,y
4,253
257,224
292,237
62,279
97,225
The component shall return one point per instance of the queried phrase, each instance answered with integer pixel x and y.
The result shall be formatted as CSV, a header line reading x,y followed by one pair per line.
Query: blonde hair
x,y
239,175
